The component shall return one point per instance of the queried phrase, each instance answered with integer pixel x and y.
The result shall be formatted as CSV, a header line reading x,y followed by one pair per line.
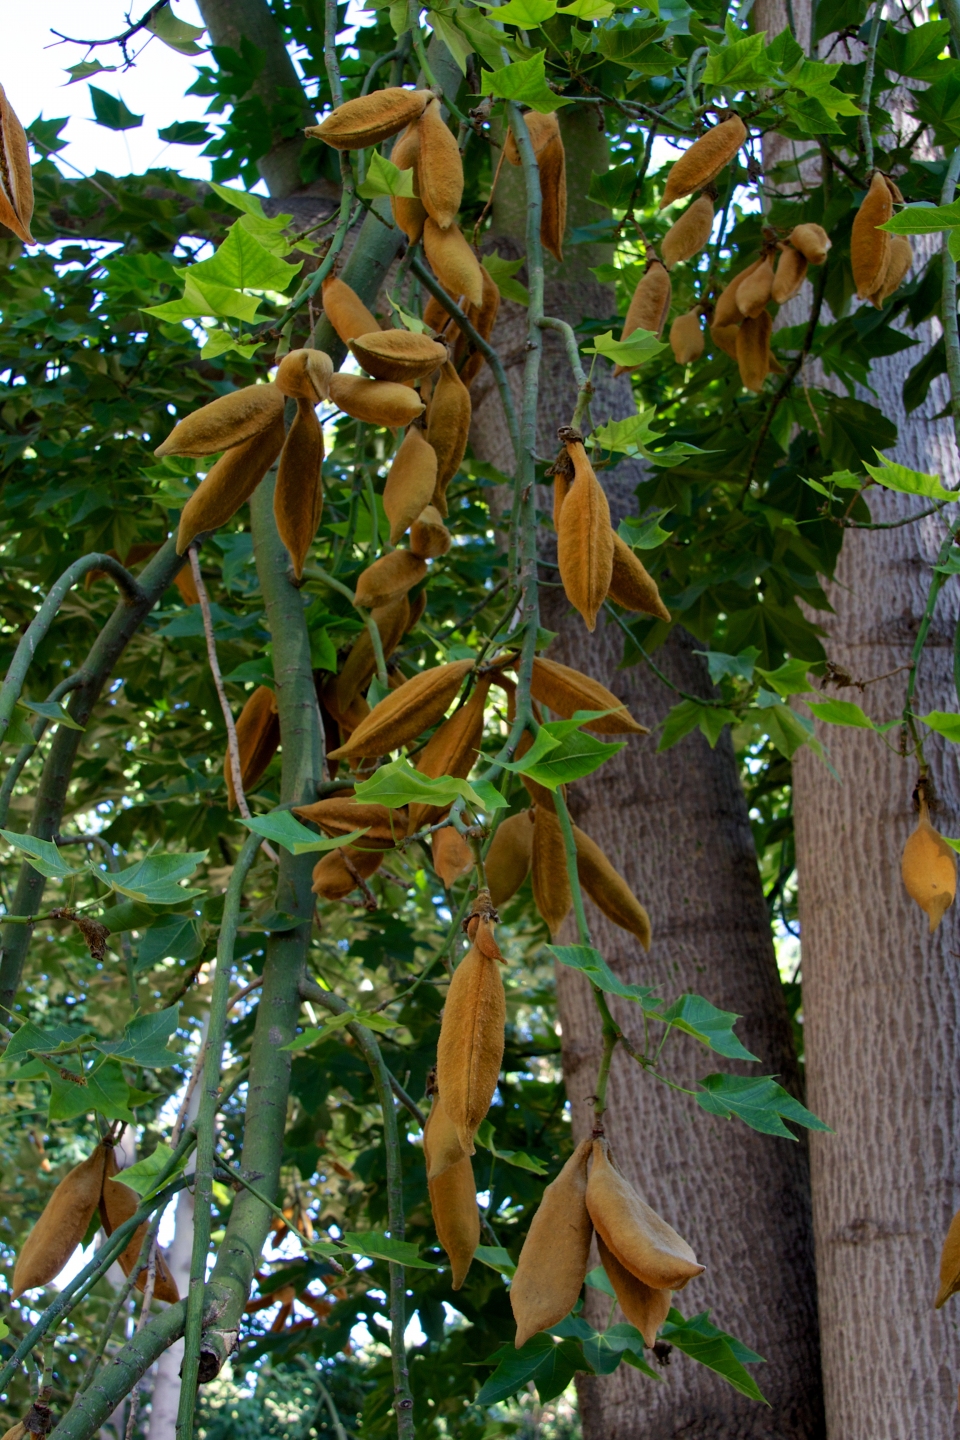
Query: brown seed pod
x,y
16,178
899,261
341,815
949,1264
229,484
405,713
258,736
686,338
370,118
483,317
408,210
470,1047
929,869
399,355
346,311
609,891
410,483
452,750
392,621
812,241
688,234
542,128
724,338
631,586
565,691
649,307
331,878
510,856
298,495
452,261
448,427
548,869
727,311
753,350
378,402
453,1201
870,247
61,1226
187,586
305,375
429,537
553,188
790,275
439,168
636,1236
392,575
16,1432
452,856
585,539
753,293
555,1255
643,1306
441,1148
437,317
704,160
225,422
118,1203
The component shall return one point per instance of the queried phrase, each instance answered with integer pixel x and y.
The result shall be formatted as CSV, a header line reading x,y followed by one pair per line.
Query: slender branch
x,y
124,34
26,752
584,387
948,308
866,95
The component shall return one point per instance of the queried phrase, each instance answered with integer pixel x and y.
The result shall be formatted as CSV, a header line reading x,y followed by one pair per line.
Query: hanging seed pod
x,y
482,317
229,484
429,537
399,355
753,350
452,261
452,856
187,586
470,1047
258,737
332,880
298,495
727,311
704,160
949,1264
341,815
225,422
812,242
562,469
553,189
410,483
899,261
585,539
609,891
378,402
753,293
929,869
393,574
452,750
565,691
16,177
438,318
118,1203
649,307
510,856
686,338
405,713
408,210
555,1255
631,586
870,247
392,621
724,338
370,118
439,168
790,275
441,1148
16,1432
453,1201
61,1226
688,235
305,375
548,869
448,428
634,1234
542,129
643,1306
346,311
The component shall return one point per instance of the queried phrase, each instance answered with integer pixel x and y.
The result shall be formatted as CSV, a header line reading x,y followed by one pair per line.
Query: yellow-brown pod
x,y
439,168
548,869
510,856
370,118
453,1201
441,1148
452,261
187,586
812,241
229,484
227,421
608,890
643,1306
411,482
399,355
727,311
448,427
899,261
753,350
704,160
408,210
542,130
790,274
636,1235
565,691
452,750
345,310
724,338
16,1432
429,537
258,736
688,235
929,869
555,1255
585,539
331,878
392,621
378,402
649,307
870,247
118,1203
417,607
470,1047
437,317
405,713
392,575
553,189
16,177
305,375
686,338
341,815
62,1225
298,495
949,1264
452,856
483,317
753,293
631,585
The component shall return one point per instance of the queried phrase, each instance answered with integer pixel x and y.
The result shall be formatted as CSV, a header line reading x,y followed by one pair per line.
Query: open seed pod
x,y
639,1239
16,177
258,737
389,577
553,1262
229,484
929,869
405,713
565,691
61,1226
341,815
305,375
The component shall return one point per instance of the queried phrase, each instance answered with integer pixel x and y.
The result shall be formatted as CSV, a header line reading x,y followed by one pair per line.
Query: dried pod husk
x,y
258,736
405,713
229,484
753,293
929,869
347,717
649,307
482,317
298,495
949,1264
305,375
634,1234
585,539
441,1148
510,856
331,878
346,311
410,483
725,338
688,235
448,427
686,338
643,1306
341,815
790,274
378,402
452,856
704,160
417,607
16,177
452,750
453,261
370,118
753,350
870,247
439,168
899,261
631,585
392,621
553,188
542,129
429,537
438,318
548,869
453,1201
399,355
470,1047
61,1226
408,210
16,1432
187,586
227,421
565,691
118,1203
555,1255
812,241
392,575
608,890
727,311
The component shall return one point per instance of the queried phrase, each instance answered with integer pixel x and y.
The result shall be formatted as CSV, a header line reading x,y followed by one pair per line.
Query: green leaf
x,y
598,1279
221,342
399,784
944,723
176,33
612,189
240,199
633,46
242,262
646,533
635,434
502,272
199,301
605,1349
841,712
640,347
376,1246
908,482
155,879
142,1177
144,1040
174,937
314,1035
715,1349
284,829
712,1027
29,1037
923,219
690,715
736,667
460,47
738,64
758,1102
42,855
524,82
592,964
541,1360
517,1158
588,10
788,679
563,752
528,14
51,710
86,68
383,178
186,132
497,1258
111,112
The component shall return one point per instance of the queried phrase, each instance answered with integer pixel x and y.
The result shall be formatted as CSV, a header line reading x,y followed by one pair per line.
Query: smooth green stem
x,y
584,388
93,1407
26,752
611,1036
866,96
948,309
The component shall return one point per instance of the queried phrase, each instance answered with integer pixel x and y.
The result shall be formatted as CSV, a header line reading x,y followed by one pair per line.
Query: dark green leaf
x,y
697,1017
145,1039
758,1102
713,1348
111,112
592,964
